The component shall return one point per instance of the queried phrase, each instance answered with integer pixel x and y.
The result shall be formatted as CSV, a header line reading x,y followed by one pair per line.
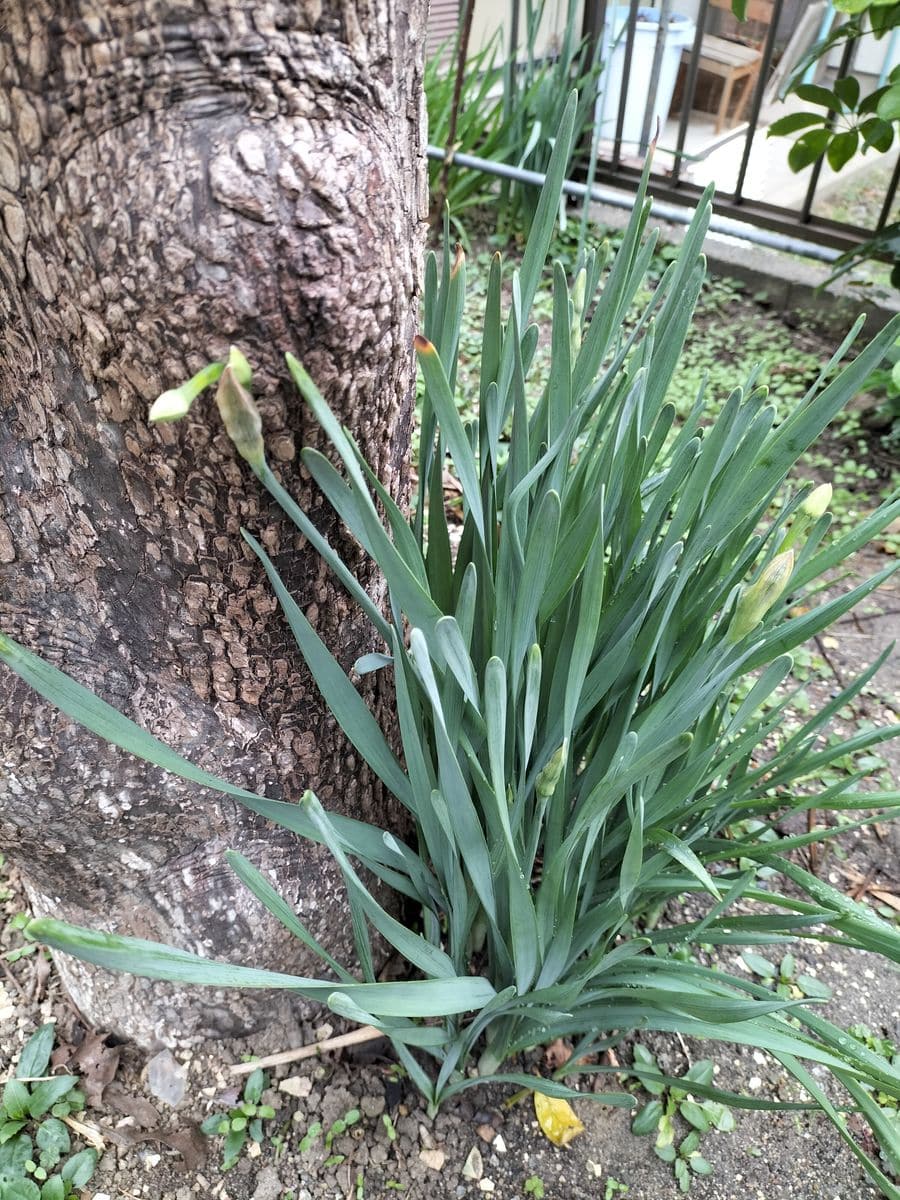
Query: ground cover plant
x,y
850,455
36,1157
582,687
242,1123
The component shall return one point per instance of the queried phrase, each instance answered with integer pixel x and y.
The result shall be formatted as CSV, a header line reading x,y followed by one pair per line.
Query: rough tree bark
x,y
174,178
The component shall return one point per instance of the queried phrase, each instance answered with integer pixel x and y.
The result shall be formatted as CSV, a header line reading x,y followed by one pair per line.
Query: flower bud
x,y
808,512
240,415
548,776
176,403
757,598
577,310
240,366
816,503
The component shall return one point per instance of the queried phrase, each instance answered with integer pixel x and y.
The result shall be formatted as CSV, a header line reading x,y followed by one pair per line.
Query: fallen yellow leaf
x,y
557,1119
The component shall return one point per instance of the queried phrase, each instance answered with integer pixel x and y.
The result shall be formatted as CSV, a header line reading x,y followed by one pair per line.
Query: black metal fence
x,y
619,159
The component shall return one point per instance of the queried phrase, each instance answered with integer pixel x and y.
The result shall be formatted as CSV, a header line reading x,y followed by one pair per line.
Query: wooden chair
x,y
734,62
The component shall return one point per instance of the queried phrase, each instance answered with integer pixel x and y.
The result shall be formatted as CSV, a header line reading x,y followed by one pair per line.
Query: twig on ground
x,y
88,1132
12,979
684,1049
366,1033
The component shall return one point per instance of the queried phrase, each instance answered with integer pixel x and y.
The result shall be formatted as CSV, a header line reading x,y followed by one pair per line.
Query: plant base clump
x,y
589,690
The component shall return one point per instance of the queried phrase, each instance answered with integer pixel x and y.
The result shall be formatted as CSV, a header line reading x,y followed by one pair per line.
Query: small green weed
x,y
787,982
686,1159
17,924
341,1125
614,1188
35,1160
534,1186
243,1121
658,1116
309,1138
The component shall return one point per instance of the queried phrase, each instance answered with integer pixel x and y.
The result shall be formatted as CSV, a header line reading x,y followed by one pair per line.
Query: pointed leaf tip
x,y
422,345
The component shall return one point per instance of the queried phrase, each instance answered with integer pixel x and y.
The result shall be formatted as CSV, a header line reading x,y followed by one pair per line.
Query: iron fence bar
x,y
809,198
655,68
773,217
885,213
676,213
765,65
514,32
626,78
690,88
592,23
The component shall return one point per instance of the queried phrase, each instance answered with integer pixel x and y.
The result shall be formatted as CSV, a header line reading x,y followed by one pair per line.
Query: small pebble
x,y
166,1078
372,1106
473,1168
434,1159
499,1144
487,1133
486,1185
268,1185
296,1085
425,1138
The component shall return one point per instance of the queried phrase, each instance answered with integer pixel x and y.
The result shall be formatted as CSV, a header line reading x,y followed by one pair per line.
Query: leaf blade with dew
x,y
683,854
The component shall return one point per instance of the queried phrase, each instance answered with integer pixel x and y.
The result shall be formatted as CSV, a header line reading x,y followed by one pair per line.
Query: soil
x,y
154,1151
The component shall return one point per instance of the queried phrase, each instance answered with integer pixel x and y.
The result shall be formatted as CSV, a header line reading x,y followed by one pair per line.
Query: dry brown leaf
x,y
94,1061
90,1134
885,897
557,1053
141,1111
450,484
189,1143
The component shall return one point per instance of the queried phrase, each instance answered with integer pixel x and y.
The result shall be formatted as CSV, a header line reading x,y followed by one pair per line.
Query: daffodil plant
x,y
590,687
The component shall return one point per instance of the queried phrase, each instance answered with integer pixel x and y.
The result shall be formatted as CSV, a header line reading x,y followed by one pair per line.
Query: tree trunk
x,y
174,178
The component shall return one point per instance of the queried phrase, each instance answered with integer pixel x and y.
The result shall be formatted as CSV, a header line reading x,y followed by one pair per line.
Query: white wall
x,y
493,15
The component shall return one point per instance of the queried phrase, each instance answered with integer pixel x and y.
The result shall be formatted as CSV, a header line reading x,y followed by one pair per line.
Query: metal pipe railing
x,y
885,214
655,68
675,213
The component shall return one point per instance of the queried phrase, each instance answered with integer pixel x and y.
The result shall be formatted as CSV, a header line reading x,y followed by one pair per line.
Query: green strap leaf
x,y
414,998
341,696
